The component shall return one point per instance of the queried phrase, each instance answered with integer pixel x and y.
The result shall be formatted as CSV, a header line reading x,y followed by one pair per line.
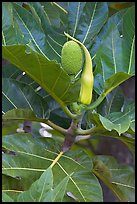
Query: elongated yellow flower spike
x,y
87,78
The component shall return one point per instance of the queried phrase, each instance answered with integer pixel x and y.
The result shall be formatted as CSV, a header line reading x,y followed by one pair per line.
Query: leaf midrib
x,y
30,169
91,21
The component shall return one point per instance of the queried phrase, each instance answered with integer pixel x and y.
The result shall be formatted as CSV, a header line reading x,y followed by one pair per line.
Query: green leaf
x,y
40,190
11,34
6,198
132,125
119,178
29,29
12,72
114,81
113,123
93,118
41,13
22,114
27,98
36,24
112,55
14,116
52,19
59,190
33,156
115,101
11,183
116,20
128,141
11,186
27,163
112,103
110,84
84,20
10,127
48,74
130,108
58,117
19,115
129,39
119,121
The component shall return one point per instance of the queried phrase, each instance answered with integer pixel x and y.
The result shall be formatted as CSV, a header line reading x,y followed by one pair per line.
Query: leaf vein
x,y
76,22
56,80
131,54
121,184
3,38
72,180
31,35
53,49
113,54
91,21
54,41
9,100
26,99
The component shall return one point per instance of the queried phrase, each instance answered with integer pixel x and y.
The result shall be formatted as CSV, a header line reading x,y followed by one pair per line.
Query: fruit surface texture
x,y
72,57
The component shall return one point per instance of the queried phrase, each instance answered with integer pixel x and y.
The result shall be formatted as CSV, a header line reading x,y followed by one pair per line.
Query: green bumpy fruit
x,y
72,57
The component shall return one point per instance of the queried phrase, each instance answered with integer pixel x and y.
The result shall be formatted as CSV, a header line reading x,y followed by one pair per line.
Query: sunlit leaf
x,y
40,190
48,74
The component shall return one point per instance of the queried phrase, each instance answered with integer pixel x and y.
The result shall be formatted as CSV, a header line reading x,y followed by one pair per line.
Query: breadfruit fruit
x,y
72,57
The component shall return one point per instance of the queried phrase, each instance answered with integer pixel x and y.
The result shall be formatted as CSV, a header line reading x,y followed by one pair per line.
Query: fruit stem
x,y
68,112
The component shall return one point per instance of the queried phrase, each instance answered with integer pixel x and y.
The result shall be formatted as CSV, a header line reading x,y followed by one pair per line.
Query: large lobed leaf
x,y
115,125
37,47
22,114
37,28
116,52
35,24
42,189
119,121
46,73
53,20
82,24
28,29
12,72
32,157
85,20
